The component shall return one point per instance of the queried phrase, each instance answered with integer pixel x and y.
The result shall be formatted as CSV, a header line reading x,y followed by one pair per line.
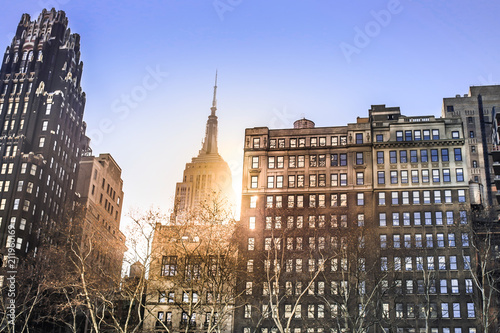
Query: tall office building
x,y
100,193
477,109
42,133
363,227
207,174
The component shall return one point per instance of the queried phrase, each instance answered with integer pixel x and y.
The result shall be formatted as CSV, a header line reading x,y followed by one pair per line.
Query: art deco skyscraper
x,y
207,173
42,133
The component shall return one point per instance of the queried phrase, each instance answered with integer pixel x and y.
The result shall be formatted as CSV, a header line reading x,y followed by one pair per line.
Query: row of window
x,y
408,240
410,311
387,330
405,218
414,156
402,176
406,263
403,197
408,135
397,264
341,287
437,218
447,311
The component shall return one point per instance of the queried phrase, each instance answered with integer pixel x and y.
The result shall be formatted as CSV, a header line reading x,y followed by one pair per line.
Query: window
x,y
256,143
279,181
466,262
343,159
300,180
399,135
313,161
379,138
359,138
251,223
393,157
471,313
427,134
403,157
463,217
381,198
453,262
413,156
409,286
251,244
425,176
435,176
270,181
301,161
343,179
253,182
417,135
423,156
380,157
406,218
443,286
465,240
41,142
382,219
435,134
396,241
434,155
404,176
360,199
461,195
444,310
248,311
430,263
405,198
468,286
169,266
408,136
458,154
292,161
381,177
416,197
447,196
334,160
359,159
427,197
383,263
395,219
456,310
383,241
395,198
394,177
429,240
460,174
291,181
446,175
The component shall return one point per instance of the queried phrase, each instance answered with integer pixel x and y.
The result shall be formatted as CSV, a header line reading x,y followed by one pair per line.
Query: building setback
x,y
358,227
42,133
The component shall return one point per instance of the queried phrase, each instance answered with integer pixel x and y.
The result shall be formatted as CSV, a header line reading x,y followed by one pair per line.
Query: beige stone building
x,y
101,193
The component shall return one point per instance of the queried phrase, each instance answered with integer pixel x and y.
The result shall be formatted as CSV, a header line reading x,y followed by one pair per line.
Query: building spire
x,y
210,142
214,101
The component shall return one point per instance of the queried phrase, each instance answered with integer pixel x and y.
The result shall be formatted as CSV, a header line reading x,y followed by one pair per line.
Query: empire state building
x,y
207,174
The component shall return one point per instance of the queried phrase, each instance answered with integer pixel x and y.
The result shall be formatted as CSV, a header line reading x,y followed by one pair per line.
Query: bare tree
x,y
192,280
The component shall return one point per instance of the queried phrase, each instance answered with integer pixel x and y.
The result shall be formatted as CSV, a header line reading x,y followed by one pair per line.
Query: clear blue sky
x,y
277,61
